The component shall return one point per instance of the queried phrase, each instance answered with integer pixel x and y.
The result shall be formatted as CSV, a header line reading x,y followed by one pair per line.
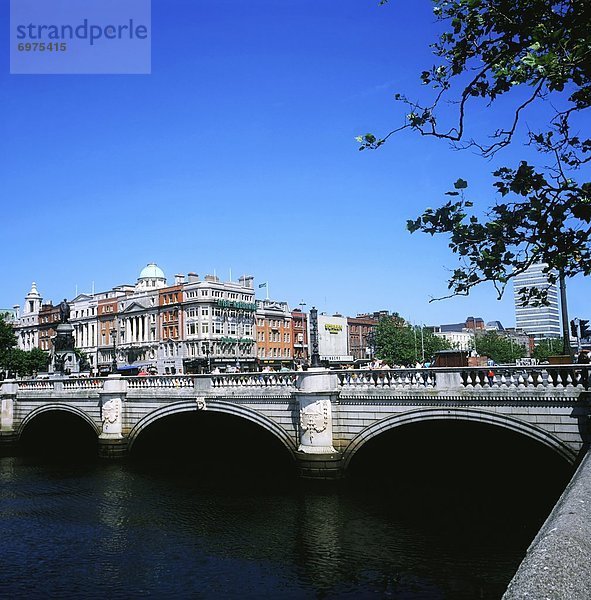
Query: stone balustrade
x,y
351,380
536,377
543,376
164,381
258,380
36,384
387,378
83,384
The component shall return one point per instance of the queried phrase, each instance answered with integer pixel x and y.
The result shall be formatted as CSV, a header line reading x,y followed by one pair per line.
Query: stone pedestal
x,y
112,399
324,466
316,390
112,448
64,360
8,435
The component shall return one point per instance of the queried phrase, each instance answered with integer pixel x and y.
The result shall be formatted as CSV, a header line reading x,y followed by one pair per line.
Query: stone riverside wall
x,y
557,565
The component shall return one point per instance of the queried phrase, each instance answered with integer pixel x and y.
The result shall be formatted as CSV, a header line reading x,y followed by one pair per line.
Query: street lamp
x,y
205,350
303,356
315,356
370,340
114,361
566,347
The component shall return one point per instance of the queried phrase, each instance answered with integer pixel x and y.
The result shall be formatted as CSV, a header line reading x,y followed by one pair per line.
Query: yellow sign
x,y
333,328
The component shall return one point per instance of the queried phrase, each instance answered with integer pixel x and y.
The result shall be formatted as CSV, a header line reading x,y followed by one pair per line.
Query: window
x,y
204,327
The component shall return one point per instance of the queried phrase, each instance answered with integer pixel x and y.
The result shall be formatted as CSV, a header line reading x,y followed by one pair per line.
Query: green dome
x,y
152,271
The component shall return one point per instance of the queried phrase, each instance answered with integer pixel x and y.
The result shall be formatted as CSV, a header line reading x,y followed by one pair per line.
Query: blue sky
x,y
238,152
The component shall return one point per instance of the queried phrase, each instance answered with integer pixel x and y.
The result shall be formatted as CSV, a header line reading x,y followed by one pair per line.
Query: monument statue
x,y
64,311
64,356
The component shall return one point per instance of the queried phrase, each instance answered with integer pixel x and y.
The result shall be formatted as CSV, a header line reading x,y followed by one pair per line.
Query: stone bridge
x,y
321,417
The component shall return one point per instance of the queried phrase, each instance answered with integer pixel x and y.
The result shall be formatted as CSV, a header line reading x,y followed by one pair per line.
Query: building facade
x,y
189,326
219,323
27,323
360,333
49,318
299,335
274,334
333,342
539,321
459,340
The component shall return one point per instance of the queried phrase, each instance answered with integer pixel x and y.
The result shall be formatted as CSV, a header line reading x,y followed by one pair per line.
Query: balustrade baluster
x,y
467,378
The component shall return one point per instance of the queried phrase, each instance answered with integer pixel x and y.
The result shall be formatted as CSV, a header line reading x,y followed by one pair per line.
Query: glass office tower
x,y
540,321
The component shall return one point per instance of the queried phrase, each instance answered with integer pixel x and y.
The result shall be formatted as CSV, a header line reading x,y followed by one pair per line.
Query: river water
x,y
451,522
125,530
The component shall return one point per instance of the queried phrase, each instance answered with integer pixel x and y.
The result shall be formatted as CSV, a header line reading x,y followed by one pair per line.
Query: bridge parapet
x,y
35,384
83,384
258,380
387,378
168,382
542,377
487,378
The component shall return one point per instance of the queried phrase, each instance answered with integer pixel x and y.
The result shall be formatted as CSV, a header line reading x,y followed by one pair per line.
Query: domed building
x,y
190,325
151,277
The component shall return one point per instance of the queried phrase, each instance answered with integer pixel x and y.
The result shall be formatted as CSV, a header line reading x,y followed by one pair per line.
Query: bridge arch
x,y
53,407
219,406
463,414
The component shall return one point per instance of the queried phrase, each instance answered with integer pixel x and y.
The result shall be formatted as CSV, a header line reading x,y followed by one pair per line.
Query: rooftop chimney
x,y
246,281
